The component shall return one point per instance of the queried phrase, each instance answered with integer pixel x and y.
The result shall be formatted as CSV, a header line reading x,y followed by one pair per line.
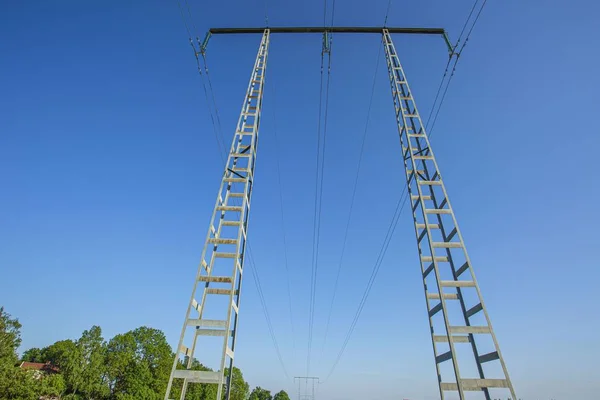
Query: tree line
x,y
131,366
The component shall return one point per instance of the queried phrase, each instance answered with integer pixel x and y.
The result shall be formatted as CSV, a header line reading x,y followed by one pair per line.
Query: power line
x,y
283,230
187,5
456,55
374,272
187,28
332,12
319,182
438,92
472,26
266,13
352,198
430,131
317,209
312,270
261,296
361,305
216,130
387,12
466,23
212,92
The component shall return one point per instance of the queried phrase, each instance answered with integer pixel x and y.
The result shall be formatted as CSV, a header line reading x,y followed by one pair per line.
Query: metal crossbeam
x,y
224,248
332,29
327,30
455,307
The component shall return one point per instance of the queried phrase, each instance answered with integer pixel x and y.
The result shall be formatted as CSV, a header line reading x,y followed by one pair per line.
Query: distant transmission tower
x,y
309,387
467,355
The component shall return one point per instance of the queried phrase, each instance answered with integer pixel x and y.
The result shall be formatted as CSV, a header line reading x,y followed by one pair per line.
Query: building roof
x,y
45,367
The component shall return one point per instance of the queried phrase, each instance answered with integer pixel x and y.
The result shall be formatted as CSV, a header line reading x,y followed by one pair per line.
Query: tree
x,y
138,364
33,355
66,355
281,395
239,387
51,385
10,338
17,384
91,351
260,394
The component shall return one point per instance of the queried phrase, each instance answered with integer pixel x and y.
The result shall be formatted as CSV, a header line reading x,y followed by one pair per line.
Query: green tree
x,y
66,355
260,394
138,364
91,350
14,382
17,384
239,387
10,338
281,395
51,385
33,355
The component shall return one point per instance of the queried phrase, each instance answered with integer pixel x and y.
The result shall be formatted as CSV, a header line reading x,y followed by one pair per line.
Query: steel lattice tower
x,y
467,355
225,245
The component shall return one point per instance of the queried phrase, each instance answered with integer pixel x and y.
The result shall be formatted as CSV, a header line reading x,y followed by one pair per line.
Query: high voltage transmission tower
x,y
467,355
309,390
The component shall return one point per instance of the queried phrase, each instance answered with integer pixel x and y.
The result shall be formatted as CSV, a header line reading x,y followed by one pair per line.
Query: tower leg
x,y
458,319
222,261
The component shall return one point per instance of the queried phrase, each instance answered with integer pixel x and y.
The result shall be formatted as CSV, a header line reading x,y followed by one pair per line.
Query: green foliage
x,y
91,350
66,355
131,366
260,394
138,364
33,355
10,337
17,384
239,387
51,385
281,395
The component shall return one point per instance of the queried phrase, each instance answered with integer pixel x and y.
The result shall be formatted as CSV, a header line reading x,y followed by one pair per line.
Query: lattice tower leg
x,y
224,248
458,317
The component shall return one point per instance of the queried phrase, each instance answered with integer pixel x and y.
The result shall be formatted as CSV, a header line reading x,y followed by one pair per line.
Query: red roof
x,y
32,365
46,367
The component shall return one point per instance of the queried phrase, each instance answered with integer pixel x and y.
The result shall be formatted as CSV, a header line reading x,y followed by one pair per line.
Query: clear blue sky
x,y
109,169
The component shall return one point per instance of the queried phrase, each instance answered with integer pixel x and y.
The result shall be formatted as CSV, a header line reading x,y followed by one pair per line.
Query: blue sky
x,y
109,168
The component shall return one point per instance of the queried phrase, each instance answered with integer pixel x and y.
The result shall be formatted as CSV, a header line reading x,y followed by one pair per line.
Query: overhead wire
x,y
374,272
189,10
266,13
212,92
281,208
456,55
391,229
265,310
216,128
352,199
319,182
315,229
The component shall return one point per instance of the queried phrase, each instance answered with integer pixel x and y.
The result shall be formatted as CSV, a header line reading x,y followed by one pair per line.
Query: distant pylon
x,y
309,390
